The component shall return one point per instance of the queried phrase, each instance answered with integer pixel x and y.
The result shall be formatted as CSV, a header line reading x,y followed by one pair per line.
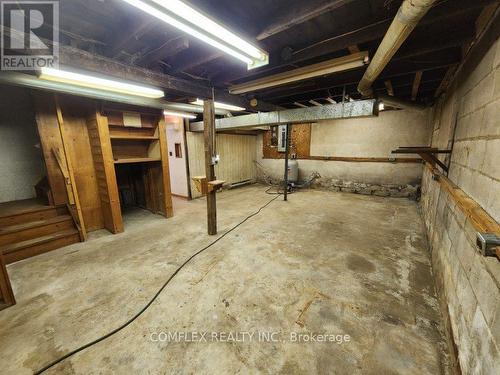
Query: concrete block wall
x,y
21,165
468,283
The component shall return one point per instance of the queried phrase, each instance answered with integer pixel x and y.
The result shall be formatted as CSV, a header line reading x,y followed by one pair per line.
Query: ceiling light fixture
x,y
180,15
179,114
90,81
228,107
353,61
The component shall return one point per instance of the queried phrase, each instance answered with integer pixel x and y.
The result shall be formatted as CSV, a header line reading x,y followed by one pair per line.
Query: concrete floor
x,y
324,263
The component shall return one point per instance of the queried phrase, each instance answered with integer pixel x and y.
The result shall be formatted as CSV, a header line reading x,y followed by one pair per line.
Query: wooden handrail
x,y
478,217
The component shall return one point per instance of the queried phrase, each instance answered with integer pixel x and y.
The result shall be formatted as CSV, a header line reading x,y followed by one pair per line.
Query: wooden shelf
x,y
136,160
135,137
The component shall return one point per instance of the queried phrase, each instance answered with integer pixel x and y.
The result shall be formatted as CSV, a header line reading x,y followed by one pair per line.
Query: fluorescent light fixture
x,y
229,107
180,15
90,81
179,114
353,61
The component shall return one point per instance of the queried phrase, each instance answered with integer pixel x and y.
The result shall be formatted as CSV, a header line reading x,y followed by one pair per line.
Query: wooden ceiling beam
x,y
416,85
374,31
124,39
170,48
294,16
388,86
83,60
353,49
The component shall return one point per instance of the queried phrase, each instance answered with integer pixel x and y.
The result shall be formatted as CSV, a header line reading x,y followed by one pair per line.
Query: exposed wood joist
x,y
446,80
84,60
314,102
300,105
124,39
416,85
353,49
186,63
388,86
170,48
296,15
375,31
347,79
327,67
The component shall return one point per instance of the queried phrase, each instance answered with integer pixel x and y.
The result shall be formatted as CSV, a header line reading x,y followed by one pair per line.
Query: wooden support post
x,y
209,135
287,156
6,295
167,190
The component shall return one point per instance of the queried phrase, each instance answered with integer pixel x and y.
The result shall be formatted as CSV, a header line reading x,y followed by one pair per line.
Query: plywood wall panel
x,y
80,152
237,154
50,138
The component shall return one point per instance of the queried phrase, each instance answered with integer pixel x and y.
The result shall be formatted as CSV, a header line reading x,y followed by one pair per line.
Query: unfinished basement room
x,y
250,187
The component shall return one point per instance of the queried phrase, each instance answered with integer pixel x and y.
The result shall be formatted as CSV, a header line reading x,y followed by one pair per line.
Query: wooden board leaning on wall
x,y
300,145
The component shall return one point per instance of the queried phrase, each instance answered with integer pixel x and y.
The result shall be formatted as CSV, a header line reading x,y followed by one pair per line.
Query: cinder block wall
x,y
468,282
21,165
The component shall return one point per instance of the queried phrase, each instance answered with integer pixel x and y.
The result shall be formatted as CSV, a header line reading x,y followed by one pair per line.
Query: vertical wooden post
x,y
287,157
209,135
167,190
6,294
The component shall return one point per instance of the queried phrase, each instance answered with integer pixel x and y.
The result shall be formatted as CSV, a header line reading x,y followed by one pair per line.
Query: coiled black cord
x,y
143,310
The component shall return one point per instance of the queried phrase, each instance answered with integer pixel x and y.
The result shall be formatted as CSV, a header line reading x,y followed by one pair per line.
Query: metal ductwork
x,y
409,15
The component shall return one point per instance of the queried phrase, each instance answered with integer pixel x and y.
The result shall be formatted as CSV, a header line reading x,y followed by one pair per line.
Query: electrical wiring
x,y
153,299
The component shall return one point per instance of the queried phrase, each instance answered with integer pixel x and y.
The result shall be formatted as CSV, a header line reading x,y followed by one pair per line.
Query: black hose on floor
x,y
155,297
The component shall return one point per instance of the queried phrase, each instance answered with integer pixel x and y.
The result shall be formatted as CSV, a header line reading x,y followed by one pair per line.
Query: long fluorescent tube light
x,y
179,114
86,80
180,15
353,61
229,107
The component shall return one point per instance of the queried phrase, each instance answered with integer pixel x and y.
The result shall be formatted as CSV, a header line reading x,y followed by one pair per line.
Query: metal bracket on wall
x,y
489,244
428,154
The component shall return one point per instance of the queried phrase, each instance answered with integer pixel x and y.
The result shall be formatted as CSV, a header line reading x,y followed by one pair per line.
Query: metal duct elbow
x,y
409,15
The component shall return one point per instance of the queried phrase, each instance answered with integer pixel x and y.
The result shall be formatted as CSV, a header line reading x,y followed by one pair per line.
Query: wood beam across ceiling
x,y
375,31
416,85
79,59
170,48
294,16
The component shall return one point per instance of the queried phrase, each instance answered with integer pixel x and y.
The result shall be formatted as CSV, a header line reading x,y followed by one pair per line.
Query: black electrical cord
x,y
143,310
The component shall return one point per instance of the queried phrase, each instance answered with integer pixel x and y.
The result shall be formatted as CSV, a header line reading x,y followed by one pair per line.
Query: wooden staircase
x,y
32,232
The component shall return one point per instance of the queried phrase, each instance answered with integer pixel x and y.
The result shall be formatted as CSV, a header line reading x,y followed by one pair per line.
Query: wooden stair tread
x,y
35,224
29,210
37,241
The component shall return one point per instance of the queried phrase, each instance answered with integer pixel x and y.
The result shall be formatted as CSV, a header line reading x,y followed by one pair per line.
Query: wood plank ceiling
x,y
297,33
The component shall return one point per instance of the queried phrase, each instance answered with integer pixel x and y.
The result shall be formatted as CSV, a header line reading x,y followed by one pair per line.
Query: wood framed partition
x,y
6,294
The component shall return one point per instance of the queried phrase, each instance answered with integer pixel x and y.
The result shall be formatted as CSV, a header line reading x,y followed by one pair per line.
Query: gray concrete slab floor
x,y
352,268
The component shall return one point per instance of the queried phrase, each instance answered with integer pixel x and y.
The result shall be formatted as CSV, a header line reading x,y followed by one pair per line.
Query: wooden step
x,y
26,249
31,230
41,213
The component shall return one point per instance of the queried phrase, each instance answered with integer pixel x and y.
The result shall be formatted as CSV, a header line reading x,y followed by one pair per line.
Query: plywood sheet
x,y
237,154
300,144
